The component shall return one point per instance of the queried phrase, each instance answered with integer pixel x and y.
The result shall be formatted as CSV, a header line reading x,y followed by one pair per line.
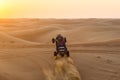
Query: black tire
x,y
65,39
67,54
55,53
53,40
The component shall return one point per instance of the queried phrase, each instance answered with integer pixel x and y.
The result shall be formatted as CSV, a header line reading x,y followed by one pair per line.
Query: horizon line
x,y
59,18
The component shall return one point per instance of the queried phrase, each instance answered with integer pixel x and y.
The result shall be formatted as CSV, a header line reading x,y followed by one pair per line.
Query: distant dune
x,y
26,51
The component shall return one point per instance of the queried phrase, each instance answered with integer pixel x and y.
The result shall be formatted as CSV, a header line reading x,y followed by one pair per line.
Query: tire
x,y
53,40
67,54
65,39
55,53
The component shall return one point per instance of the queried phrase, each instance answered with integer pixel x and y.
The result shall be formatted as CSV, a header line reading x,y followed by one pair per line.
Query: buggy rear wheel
x,y
55,53
67,54
65,39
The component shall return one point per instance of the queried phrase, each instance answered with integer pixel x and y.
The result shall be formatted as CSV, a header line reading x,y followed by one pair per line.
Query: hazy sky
x,y
59,8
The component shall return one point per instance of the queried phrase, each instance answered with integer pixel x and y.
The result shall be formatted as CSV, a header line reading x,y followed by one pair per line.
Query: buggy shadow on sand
x,y
61,48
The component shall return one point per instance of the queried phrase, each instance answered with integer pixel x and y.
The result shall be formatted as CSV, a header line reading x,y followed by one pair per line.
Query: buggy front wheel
x,y
53,40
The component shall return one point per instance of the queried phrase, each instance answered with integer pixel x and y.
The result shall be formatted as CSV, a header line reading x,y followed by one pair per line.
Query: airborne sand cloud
x,y
64,70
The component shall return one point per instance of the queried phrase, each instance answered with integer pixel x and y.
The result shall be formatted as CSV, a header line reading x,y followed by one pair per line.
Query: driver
x,y
60,41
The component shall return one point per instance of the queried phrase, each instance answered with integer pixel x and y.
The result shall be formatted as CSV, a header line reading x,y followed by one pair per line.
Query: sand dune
x,y
39,34
76,35
8,41
26,50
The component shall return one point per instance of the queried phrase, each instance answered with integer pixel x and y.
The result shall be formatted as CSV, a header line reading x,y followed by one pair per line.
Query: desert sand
x,y
26,51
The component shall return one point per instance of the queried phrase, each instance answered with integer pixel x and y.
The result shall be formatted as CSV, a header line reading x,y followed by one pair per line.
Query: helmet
x,y
59,37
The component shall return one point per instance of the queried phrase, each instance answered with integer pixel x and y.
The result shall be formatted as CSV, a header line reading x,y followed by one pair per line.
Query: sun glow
x,y
59,9
1,2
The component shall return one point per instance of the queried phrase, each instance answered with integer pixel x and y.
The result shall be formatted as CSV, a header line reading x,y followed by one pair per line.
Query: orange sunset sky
x,y
59,8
